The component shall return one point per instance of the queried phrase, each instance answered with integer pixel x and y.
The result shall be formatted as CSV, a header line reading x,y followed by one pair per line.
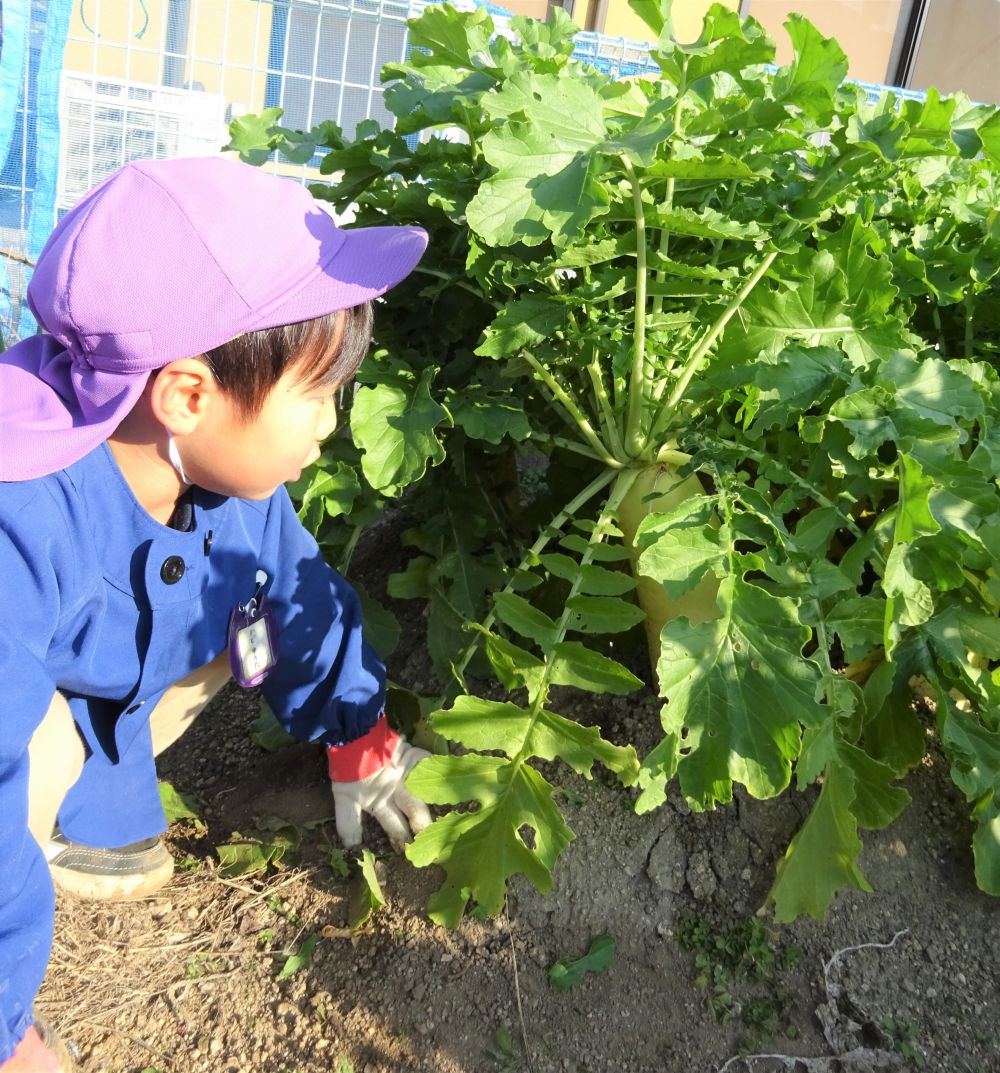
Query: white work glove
x,y
367,775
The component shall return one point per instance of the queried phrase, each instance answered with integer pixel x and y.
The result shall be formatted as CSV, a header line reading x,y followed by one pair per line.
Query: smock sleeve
x,y
329,684
35,570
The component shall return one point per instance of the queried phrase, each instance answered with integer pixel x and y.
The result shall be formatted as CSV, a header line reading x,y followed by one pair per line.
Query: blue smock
x,y
103,603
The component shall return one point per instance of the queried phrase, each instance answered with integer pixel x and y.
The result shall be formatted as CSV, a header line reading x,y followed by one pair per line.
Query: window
x,y
325,58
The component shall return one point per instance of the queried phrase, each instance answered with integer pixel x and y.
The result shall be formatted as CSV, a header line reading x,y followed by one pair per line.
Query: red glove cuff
x,y
364,756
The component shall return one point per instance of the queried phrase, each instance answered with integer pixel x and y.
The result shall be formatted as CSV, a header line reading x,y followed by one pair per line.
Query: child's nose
x,y
327,419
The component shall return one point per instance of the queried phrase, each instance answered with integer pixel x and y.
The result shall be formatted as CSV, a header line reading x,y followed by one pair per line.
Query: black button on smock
x,y
172,569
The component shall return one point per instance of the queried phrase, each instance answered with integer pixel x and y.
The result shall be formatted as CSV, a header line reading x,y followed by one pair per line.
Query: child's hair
x,y
326,352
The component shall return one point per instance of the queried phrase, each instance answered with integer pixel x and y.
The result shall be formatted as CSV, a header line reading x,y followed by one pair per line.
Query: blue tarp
x,y
34,38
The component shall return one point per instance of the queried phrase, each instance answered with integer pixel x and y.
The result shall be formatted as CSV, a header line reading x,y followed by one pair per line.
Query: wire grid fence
x,y
155,79
103,82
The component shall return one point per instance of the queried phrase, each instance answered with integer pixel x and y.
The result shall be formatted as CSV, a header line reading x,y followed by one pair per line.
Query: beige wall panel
x,y
622,21
230,44
865,29
959,49
102,39
106,44
534,9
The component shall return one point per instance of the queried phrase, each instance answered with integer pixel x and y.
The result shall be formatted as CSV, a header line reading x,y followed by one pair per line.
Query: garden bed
x,y
188,980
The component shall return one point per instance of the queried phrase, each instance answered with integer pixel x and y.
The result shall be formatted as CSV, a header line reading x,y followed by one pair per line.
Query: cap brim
x,y
367,263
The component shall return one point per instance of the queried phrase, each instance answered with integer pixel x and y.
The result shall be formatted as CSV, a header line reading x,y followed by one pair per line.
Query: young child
x,y
199,317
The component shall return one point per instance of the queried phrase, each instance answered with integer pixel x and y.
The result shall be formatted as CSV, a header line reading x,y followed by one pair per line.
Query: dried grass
x,y
120,969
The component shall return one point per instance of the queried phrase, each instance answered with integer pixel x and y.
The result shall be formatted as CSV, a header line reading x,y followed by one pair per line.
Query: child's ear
x,y
181,394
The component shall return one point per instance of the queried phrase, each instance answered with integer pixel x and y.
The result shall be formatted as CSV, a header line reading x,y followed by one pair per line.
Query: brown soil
x,y
188,980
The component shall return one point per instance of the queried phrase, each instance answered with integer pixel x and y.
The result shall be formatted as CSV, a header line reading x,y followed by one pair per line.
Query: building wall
x,y
534,9
864,29
226,40
102,40
960,49
622,21
867,30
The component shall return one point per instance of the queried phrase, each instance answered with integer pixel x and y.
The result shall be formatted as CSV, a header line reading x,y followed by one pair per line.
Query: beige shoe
x,y
132,871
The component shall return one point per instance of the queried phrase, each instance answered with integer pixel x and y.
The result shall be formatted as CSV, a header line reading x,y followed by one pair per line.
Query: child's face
x,y
251,457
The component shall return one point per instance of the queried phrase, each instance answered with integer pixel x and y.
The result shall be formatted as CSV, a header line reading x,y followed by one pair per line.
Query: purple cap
x,y
164,260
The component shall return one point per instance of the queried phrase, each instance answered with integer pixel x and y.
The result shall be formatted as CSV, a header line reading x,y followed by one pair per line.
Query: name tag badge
x,y
253,638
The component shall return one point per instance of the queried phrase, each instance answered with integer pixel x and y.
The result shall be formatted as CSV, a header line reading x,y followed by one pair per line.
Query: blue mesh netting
x,y
34,36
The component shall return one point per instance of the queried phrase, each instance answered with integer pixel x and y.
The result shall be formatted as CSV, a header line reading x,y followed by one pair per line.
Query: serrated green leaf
x,y
680,558
961,629
413,582
338,862
545,40
595,580
332,484
432,96
858,621
800,379
877,801
242,858
602,614
251,135
932,389
989,137
817,69
726,43
514,611
567,973
594,253
394,425
816,303
481,850
521,325
486,724
913,516
546,183
450,780
489,417
892,732
740,690
513,665
910,600
700,169
821,859
658,767
450,37
581,667
973,750
813,534
654,13
607,553
705,223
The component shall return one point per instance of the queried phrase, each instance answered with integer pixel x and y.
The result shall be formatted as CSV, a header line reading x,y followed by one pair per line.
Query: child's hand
x,y
368,776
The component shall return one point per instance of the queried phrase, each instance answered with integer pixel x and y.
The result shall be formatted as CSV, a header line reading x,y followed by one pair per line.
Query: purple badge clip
x,y
253,638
